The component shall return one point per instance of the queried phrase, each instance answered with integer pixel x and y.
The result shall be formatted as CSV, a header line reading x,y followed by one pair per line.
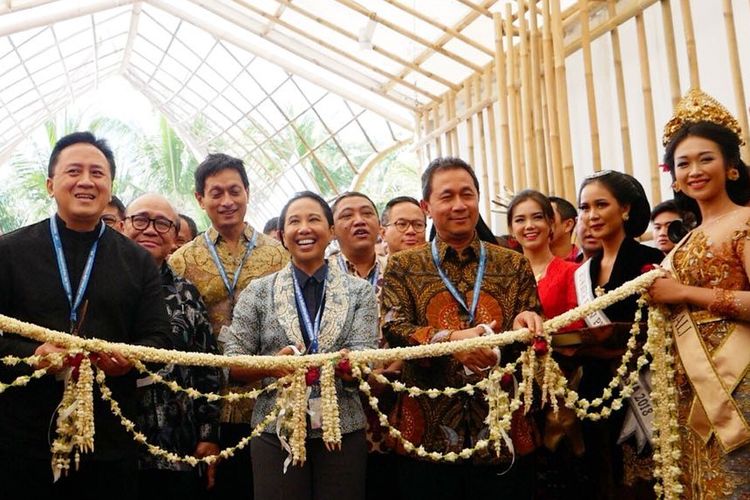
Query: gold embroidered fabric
x,y
194,262
416,305
714,257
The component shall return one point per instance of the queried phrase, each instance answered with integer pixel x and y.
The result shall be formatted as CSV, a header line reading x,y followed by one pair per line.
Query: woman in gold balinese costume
x,y
709,293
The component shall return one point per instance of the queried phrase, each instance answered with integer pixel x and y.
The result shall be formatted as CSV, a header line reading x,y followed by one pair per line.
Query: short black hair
x,y
666,206
627,191
564,208
352,194
118,205
78,138
392,203
271,225
298,196
190,224
444,163
215,163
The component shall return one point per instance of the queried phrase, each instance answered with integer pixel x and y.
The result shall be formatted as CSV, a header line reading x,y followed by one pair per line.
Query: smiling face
x,y
700,169
152,206
601,212
453,205
399,215
356,225
224,199
306,233
529,225
81,186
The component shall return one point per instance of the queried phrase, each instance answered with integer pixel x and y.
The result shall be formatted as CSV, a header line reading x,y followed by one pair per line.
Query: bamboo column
x,y
543,166
687,26
502,101
469,125
669,42
420,151
648,110
550,86
734,65
453,133
427,130
622,107
447,114
435,121
494,169
527,110
518,177
569,183
485,179
596,156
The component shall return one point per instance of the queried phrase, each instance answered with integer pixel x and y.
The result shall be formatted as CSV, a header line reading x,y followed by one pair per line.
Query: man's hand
x,y
205,449
113,363
477,360
44,350
283,372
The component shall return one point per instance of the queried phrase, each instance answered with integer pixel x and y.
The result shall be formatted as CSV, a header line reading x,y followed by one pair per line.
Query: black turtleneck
x,y
125,304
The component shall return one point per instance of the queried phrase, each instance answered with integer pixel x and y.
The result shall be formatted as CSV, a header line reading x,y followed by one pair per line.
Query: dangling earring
x,y
733,174
626,216
676,187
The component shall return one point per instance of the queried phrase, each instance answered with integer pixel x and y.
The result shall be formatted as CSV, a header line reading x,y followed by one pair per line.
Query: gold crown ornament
x,y
697,106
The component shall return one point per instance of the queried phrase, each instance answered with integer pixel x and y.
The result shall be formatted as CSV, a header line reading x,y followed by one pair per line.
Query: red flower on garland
x,y
312,376
648,267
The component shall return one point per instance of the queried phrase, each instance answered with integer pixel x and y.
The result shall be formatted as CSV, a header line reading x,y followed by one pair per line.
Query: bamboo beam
x,y
502,99
588,70
669,42
648,110
485,179
351,4
375,48
494,166
425,54
569,182
478,8
687,26
629,10
527,111
333,48
453,123
622,106
734,65
132,33
445,28
519,180
536,91
372,161
550,87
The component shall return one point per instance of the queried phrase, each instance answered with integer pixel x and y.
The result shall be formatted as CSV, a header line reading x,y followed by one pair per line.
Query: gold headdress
x,y
697,106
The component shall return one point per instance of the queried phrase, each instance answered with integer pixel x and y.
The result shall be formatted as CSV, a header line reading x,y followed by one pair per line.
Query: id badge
x,y
316,415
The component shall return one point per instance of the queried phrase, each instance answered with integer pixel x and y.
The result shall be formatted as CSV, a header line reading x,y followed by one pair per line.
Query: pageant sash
x,y
714,378
639,416
585,294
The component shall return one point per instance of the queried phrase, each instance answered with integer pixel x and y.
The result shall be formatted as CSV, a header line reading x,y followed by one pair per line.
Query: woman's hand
x,y
530,320
667,291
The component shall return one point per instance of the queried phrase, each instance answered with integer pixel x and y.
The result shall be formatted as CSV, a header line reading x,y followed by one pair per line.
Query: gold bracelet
x,y
724,304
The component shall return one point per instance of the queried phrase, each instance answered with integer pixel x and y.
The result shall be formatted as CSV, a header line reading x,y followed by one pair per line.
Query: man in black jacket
x,y
72,273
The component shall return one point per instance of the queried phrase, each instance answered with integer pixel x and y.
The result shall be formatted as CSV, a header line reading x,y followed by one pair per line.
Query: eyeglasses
x,y
141,222
110,219
402,225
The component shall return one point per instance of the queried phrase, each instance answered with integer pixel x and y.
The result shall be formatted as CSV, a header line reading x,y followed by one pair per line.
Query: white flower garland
x,y
55,359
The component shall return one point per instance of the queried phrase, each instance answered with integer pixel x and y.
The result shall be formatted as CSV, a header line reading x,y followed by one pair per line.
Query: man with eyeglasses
x,y
72,273
114,213
403,224
170,419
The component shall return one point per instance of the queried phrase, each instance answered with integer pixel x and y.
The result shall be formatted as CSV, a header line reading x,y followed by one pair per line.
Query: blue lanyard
x,y
373,279
223,272
63,267
312,329
477,283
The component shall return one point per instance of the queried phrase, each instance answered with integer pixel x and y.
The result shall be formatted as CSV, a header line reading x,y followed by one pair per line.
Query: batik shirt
x,y
417,306
172,420
194,262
